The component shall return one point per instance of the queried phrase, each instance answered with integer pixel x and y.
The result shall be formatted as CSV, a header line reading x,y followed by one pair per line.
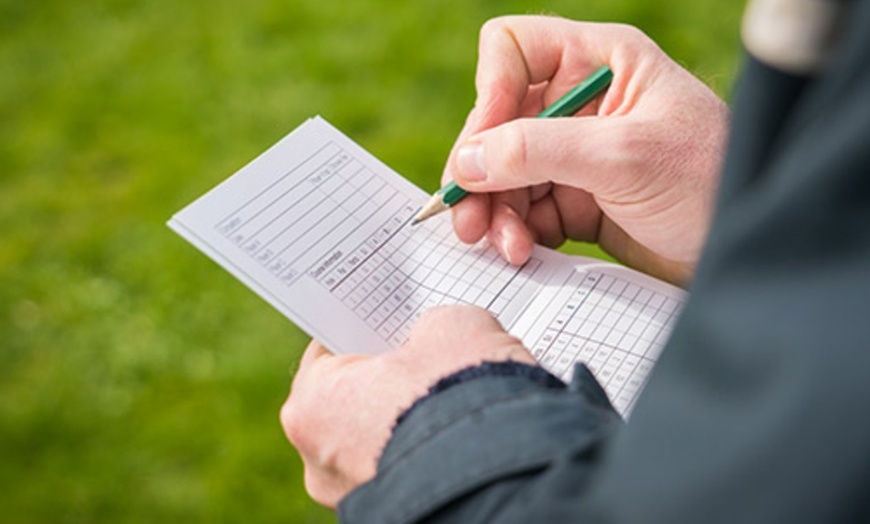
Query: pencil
x,y
569,104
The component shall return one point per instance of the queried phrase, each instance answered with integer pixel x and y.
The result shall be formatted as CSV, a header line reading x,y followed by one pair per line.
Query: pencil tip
x,y
434,206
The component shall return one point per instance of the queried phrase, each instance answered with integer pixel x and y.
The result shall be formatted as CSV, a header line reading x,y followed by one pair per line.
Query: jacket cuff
x,y
476,432
508,368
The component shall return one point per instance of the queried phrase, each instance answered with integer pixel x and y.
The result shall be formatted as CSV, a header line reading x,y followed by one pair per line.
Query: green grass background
x,y
138,381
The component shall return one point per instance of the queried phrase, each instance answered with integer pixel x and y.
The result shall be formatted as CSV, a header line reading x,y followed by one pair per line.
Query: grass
x,y
138,381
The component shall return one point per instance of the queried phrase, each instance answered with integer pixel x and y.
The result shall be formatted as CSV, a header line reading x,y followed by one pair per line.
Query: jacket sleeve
x,y
471,452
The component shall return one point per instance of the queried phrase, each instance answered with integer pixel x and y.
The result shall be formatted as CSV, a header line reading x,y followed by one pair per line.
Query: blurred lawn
x,y
138,381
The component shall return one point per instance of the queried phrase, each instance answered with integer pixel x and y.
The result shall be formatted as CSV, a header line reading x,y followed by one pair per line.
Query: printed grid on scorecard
x,y
334,220
614,326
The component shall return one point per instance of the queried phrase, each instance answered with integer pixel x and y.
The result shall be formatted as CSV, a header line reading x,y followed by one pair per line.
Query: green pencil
x,y
568,105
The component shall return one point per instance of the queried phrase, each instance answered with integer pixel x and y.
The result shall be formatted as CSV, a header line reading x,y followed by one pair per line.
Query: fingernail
x,y
469,161
505,247
502,245
496,240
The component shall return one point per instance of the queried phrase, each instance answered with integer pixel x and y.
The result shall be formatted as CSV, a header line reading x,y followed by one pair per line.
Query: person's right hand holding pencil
x,y
568,105
635,170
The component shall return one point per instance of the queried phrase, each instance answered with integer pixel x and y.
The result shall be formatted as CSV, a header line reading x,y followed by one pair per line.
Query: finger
x,y
471,217
589,153
539,191
508,232
313,352
474,336
518,69
468,130
449,323
527,62
507,89
320,486
516,52
502,78
545,224
580,214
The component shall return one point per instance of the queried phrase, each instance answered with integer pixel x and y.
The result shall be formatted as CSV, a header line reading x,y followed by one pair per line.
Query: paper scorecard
x,y
320,229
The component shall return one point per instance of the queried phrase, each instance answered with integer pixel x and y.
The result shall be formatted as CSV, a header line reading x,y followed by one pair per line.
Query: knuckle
x,y
290,422
487,28
434,316
633,42
515,152
298,423
427,316
316,489
630,33
491,27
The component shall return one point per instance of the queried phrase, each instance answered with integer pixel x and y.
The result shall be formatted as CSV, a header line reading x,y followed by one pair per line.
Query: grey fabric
x,y
756,410
492,433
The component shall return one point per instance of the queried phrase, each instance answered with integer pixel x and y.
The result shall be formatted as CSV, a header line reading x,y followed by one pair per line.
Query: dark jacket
x,y
757,410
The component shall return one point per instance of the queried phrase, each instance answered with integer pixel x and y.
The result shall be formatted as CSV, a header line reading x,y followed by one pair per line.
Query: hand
x,y
635,171
342,408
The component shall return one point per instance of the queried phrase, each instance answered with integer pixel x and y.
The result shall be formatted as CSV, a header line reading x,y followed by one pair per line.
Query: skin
x,y
342,408
635,171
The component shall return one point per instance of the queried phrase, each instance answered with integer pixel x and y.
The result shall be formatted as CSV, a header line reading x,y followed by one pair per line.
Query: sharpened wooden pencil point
x,y
434,206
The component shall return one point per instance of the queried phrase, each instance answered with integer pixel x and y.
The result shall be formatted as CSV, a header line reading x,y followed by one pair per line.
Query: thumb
x,y
588,153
